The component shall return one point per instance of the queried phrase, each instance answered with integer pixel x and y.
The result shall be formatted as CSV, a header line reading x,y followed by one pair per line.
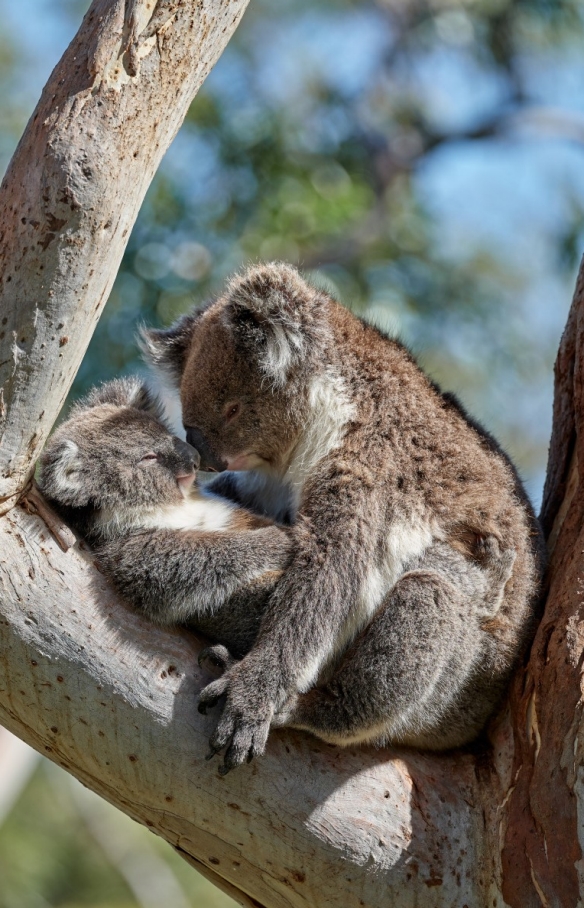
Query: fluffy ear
x,y
123,392
166,349
274,304
60,473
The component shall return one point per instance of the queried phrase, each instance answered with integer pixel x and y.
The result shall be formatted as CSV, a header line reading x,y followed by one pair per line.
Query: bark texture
x,y
542,854
112,699
73,190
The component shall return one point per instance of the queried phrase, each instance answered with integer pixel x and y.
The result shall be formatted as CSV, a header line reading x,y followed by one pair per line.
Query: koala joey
x,y
179,553
417,559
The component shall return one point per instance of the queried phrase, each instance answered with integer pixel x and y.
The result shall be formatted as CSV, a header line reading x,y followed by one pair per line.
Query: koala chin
x,y
413,586
178,552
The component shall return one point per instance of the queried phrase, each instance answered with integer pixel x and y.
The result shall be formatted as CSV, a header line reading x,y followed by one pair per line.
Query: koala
x,y
412,590
177,552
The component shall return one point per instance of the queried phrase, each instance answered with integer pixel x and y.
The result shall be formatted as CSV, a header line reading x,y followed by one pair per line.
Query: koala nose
x,y
187,453
210,462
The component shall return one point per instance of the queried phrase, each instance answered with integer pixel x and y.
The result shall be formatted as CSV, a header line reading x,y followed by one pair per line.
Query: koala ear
x,y
272,304
165,349
60,474
143,398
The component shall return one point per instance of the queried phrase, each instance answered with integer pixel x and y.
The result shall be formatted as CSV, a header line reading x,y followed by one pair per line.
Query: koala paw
x,y
216,659
247,713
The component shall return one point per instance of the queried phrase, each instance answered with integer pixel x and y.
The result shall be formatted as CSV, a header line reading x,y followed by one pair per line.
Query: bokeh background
x,y
425,160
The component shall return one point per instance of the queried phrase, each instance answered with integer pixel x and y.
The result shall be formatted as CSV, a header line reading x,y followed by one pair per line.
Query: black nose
x,y
187,453
210,461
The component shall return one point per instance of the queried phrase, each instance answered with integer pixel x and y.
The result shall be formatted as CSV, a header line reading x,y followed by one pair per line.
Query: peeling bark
x,y
112,699
542,853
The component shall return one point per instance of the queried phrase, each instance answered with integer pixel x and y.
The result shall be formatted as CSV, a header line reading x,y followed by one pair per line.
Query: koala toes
x,y
216,659
242,736
244,741
210,695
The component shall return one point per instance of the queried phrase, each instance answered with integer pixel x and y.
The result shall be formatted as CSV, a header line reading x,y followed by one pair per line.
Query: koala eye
x,y
231,411
149,457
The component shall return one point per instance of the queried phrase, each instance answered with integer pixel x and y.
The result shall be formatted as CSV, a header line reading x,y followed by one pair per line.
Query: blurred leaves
x,y
66,848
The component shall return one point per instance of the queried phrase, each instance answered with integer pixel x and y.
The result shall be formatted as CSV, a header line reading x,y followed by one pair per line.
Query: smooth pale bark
x,y
73,190
112,699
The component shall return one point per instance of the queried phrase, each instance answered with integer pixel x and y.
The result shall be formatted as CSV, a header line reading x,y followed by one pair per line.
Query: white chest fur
x,y
330,410
201,512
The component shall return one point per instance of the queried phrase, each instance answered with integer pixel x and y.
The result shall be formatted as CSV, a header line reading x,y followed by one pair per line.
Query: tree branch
x,y
73,190
112,699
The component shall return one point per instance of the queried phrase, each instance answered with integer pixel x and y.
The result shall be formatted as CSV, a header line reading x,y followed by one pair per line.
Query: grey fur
x,y
414,585
97,472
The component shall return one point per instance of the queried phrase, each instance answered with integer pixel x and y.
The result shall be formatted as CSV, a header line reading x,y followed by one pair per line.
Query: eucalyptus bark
x,y
112,699
73,190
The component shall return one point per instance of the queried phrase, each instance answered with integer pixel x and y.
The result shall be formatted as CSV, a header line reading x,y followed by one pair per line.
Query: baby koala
x,y
178,552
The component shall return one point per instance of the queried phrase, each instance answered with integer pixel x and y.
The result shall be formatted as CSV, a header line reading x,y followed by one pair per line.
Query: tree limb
x,y
73,190
112,699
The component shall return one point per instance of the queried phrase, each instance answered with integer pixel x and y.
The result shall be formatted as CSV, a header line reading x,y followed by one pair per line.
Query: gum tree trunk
x,y
112,699
73,190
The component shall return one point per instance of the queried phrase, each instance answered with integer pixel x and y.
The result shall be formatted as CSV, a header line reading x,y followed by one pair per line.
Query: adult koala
x,y
418,558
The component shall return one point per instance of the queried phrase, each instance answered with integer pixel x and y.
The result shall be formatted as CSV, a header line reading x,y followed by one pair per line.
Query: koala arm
x,y
335,539
190,577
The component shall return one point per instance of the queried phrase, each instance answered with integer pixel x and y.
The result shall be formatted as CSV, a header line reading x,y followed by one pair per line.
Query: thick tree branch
x,y
113,699
73,190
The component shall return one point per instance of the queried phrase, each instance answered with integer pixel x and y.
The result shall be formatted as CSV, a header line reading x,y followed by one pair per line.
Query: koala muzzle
x,y
188,454
210,462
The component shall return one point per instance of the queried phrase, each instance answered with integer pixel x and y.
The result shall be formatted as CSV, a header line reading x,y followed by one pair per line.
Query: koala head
x,y
114,452
243,367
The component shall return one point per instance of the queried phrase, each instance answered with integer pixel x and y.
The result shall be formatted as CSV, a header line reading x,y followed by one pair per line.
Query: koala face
x,y
112,454
243,368
232,414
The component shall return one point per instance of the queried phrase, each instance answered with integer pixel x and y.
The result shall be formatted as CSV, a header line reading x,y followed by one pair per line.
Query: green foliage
x,y
52,854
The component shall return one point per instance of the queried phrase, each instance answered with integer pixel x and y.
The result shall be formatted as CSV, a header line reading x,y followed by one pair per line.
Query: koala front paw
x,y
245,721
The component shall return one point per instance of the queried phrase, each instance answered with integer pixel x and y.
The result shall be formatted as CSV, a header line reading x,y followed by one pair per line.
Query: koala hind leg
x,y
418,674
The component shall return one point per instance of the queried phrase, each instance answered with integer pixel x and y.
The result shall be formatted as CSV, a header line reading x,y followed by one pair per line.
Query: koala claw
x,y
242,730
243,739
